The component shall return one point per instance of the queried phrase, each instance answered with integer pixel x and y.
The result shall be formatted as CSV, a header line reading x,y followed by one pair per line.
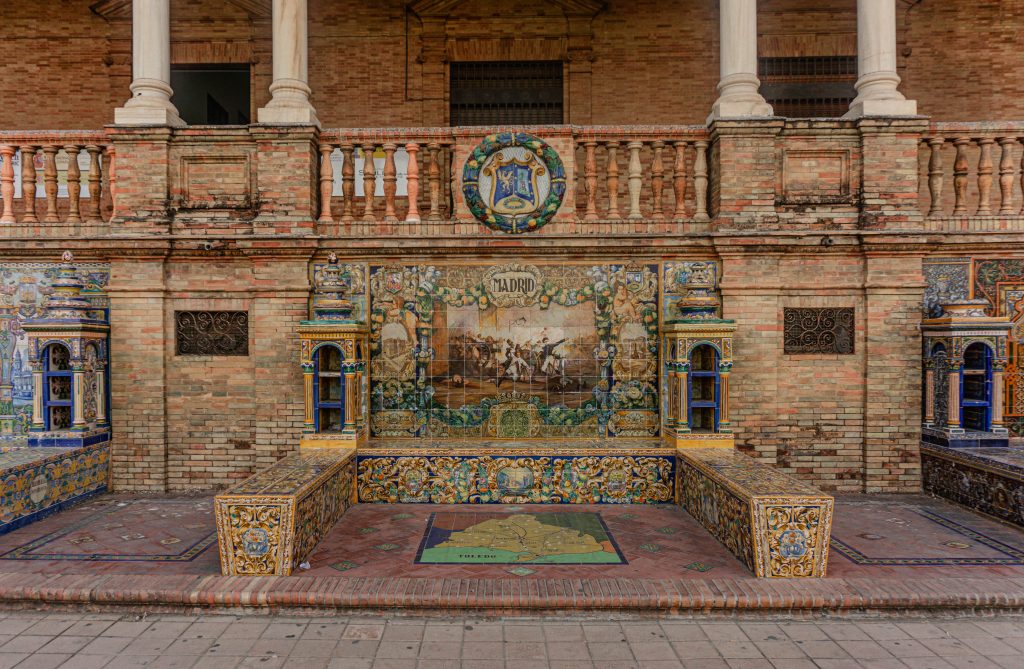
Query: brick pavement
x,y
34,640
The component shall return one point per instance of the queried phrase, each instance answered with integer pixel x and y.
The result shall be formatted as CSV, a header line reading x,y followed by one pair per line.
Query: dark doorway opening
x,y
213,94
506,93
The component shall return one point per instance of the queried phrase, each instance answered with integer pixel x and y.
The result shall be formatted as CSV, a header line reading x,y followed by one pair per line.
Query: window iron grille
x,y
506,93
211,332
817,330
808,87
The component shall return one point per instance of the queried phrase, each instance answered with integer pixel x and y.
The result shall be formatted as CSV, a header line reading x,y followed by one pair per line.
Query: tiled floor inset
x,y
495,537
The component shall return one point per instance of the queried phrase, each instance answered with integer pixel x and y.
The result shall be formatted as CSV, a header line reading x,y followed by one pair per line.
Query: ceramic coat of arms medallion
x,y
513,182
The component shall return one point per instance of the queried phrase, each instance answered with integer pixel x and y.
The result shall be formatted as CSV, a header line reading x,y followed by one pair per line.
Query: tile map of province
x,y
526,538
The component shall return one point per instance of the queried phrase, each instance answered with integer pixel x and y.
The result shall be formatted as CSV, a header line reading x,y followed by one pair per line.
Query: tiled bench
x,y
775,523
272,521
990,480
38,481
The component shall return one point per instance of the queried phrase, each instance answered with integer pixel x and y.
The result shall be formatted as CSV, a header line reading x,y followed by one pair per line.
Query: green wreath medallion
x,y
513,182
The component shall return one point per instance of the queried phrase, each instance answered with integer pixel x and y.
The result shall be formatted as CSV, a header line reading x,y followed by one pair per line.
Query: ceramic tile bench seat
x,y
775,523
38,481
272,521
987,479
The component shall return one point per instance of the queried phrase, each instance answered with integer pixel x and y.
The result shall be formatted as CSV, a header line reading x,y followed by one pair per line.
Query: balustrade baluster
x,y
74,184
935,176
700,182
108,171
412,178
434,174
7,183
590,178
369,182
390,182
1022,179
657,179
28,184
613,180
960,176
1006,175
326,182
50,174
635,180
679,179
985,175
92,213
348,182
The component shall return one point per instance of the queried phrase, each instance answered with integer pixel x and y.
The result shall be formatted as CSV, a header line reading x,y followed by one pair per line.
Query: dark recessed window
x,y
211,333
809,86
211,94
506,93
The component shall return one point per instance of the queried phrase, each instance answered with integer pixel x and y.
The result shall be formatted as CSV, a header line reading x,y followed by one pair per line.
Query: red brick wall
x,y
648,61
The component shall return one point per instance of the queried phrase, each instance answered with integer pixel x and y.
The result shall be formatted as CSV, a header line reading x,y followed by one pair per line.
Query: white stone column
x,y
877,80
289,91
738,96
150,103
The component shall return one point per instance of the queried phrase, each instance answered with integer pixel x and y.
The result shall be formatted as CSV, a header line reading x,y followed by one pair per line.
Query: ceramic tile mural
x,y
514,351
49,481
272,521
23,289
518,478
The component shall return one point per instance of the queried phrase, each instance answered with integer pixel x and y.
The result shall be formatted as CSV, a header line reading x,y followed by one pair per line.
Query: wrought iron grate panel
x,y
818,330
808,86
506,93
211,333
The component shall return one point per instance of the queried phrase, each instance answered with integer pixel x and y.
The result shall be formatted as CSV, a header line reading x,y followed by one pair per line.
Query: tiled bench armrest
x,y
775,523
272,521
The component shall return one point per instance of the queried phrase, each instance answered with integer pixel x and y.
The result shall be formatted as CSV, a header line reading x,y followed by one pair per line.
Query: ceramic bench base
x,y
272,521
774,523
989,480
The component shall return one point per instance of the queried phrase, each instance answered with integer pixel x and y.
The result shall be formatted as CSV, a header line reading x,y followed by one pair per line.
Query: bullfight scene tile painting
x,y
514,351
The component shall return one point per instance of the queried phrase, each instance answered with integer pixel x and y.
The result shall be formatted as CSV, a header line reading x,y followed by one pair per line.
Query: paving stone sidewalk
x,y
88,641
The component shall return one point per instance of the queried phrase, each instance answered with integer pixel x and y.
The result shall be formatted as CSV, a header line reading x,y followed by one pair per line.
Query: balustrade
x,y
47,188
968,156
402,181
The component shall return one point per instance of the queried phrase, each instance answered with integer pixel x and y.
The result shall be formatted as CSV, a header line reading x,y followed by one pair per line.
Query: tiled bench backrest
x,y
775,523
273,520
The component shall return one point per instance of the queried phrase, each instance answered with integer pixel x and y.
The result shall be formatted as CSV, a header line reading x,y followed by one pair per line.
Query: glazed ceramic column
x,y
38,420
953,400
929,393
78,397
150,103
724,424
289,91
997,399
683,421
307,385
738,95
101,395
877,81
350,399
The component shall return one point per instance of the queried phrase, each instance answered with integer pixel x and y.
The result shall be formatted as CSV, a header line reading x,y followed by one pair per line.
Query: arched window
x,y
328,389
976,388
704,389
58,396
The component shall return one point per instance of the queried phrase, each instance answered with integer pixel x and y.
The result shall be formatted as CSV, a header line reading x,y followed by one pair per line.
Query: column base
x,y
740,108
147,116
890,107
287,115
